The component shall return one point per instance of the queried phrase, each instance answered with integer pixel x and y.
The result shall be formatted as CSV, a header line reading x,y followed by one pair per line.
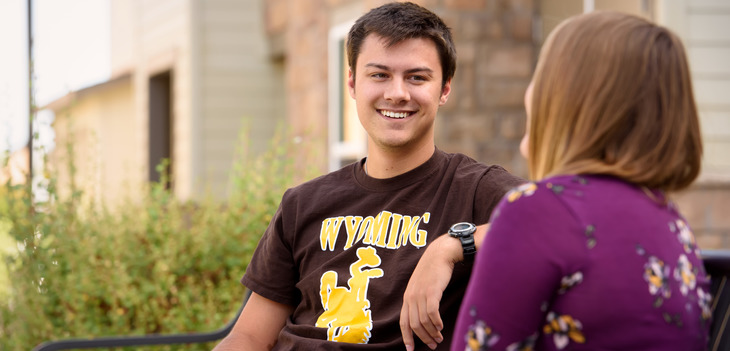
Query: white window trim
x,y
337,150
589,6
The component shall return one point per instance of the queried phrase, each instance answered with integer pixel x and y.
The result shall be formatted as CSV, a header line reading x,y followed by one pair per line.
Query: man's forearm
x,y
480,234
228,344
236,342
257,327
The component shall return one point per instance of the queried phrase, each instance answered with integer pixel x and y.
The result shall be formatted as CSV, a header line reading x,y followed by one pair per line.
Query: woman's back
x,y
607,265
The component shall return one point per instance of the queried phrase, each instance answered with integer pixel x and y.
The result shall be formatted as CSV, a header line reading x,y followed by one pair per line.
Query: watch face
x,y
463,228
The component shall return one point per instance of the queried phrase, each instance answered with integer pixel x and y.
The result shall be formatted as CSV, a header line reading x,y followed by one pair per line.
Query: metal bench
x,y
717,264
144,340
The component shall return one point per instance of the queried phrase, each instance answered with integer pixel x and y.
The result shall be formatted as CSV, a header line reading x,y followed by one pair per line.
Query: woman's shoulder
x,y
535,199
567,188
535,192
566,196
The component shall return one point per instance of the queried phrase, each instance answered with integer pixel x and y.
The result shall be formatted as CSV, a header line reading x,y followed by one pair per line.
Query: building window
x,y
346,138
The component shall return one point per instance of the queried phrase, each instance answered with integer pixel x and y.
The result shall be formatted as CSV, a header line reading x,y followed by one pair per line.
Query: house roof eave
x,y
64,101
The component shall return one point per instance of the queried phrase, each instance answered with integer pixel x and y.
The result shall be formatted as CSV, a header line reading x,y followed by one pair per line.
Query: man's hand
x,y
420,311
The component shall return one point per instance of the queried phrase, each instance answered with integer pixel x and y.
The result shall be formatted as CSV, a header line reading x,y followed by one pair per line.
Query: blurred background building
x,y
188,75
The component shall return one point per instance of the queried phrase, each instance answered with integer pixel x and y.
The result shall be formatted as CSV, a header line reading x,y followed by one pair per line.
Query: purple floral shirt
x,y
586,263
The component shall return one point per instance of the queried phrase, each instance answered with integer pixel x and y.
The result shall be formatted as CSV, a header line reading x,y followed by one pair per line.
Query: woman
x,y
592,254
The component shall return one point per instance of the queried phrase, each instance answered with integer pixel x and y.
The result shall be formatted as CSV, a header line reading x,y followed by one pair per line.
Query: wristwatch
x,y
464,231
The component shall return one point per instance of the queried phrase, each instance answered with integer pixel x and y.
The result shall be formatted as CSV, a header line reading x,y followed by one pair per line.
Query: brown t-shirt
x,y
341,249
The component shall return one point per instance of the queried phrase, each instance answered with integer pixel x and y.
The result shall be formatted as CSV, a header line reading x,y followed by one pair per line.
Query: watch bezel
x,y
464,232
462,229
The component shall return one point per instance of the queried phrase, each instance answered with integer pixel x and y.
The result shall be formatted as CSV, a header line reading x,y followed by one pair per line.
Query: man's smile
x,y
394,114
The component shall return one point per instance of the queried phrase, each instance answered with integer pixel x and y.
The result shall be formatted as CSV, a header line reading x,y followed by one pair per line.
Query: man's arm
x,y
420,311
258,326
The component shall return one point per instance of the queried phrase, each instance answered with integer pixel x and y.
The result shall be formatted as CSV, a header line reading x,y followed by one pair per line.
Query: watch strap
x,y
464,231
469,247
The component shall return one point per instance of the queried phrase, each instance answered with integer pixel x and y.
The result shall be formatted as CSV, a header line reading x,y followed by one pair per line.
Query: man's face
x,y
397,91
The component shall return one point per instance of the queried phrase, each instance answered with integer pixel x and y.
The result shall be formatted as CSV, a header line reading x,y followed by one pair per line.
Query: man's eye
x,y
378,75
419,78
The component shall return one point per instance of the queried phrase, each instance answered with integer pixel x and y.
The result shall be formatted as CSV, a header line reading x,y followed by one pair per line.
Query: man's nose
x,y
397,91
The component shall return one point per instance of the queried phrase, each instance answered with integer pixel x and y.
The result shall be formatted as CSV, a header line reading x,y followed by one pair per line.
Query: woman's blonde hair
x,y
612,95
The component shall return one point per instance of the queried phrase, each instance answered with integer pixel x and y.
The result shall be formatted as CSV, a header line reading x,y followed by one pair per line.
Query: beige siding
x,y
122,35
75,127
240,85
98,123
704,26
709,4
712,93
118,166
710,61
154,37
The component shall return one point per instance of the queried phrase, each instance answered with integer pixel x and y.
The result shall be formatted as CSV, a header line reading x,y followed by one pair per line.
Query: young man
x,y
331,270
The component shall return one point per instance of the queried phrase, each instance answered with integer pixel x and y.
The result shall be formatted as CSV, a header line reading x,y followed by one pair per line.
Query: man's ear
x,y
445,91
351,82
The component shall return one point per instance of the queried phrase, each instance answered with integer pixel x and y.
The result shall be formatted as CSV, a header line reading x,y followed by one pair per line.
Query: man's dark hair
x,y
399,21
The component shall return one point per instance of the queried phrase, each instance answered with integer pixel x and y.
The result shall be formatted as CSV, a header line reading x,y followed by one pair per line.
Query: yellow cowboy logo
x,y
346,309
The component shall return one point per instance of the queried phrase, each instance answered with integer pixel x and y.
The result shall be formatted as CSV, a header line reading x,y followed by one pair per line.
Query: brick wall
x,y
706,205
496,54
485,116
300,30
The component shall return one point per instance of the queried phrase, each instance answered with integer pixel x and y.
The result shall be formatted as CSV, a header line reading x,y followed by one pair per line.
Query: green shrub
x,y
154,265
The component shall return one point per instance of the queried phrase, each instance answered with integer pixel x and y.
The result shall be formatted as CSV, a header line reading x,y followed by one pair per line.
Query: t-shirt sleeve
x,y
528,250
272,272
494,184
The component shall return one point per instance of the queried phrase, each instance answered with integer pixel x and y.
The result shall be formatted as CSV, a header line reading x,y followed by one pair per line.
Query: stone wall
x,y
496,51
706,205
485,116
298,32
